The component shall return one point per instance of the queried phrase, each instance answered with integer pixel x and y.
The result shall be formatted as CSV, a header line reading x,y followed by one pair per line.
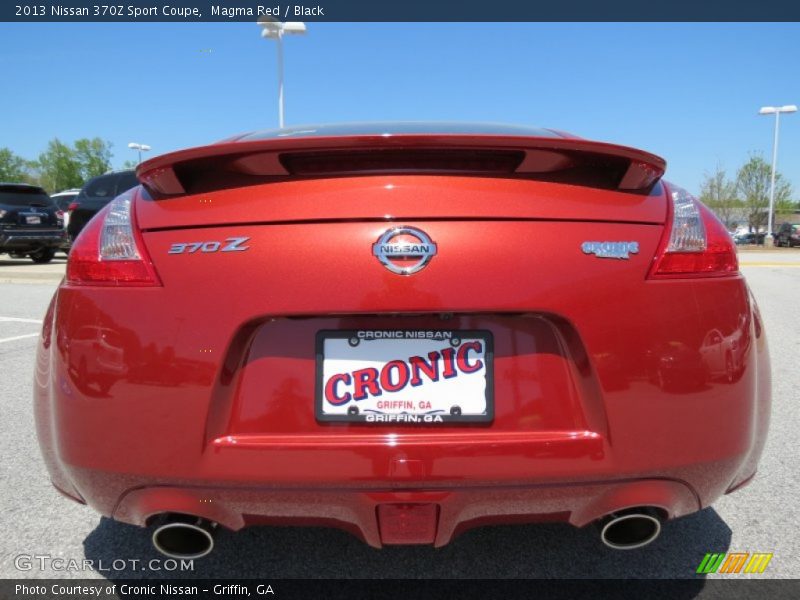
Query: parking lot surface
x,y
763,517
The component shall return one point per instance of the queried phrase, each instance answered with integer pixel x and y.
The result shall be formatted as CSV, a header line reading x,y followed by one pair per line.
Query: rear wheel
x,y
43,255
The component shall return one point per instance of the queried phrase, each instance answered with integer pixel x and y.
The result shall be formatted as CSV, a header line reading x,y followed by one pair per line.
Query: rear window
x,y
24,197
100,187
110,186
126,182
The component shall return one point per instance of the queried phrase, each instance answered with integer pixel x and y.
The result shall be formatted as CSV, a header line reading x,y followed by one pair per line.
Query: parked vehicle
x,y
788,235
750,237
403,331
97,192
64,200
30,223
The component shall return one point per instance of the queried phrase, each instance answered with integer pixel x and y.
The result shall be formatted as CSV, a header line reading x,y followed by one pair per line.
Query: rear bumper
x,y
453,509
468,480
24,240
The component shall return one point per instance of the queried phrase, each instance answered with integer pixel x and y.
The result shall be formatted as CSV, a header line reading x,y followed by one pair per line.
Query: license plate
x,y
33,220
404,376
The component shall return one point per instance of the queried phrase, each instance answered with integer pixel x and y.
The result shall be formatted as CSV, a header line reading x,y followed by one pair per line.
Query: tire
x,y
42,256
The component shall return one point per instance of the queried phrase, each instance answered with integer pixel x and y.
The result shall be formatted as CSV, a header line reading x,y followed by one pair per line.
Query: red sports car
x,y
402,330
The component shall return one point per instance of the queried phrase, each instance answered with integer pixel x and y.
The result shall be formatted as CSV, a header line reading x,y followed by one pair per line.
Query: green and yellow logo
x,y
734,562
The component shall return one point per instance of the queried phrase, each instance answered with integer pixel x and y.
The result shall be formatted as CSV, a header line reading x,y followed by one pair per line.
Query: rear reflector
x,y
695,242
408,523
110,251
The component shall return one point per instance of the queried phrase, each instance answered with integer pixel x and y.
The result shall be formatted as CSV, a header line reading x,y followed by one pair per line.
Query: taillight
x,y
110,250
72,206
695,242
60,215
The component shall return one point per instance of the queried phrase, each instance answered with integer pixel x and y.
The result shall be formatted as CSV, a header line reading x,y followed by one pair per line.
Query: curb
x,y
54,279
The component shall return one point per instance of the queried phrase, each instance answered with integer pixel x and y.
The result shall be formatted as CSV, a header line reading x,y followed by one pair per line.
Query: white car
x,y
63,200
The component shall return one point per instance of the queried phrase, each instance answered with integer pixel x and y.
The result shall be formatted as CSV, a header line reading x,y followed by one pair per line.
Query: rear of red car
x,y
404,334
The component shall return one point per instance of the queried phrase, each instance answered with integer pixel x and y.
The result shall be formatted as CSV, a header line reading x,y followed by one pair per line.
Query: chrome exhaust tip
x,y
630,529
184,537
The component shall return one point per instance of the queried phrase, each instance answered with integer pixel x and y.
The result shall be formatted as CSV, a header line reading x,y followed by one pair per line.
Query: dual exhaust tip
x,y
188,537
184,536
631,528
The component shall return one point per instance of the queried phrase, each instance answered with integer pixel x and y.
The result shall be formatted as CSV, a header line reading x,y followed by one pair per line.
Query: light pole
x,y
140,147
774,110
275,30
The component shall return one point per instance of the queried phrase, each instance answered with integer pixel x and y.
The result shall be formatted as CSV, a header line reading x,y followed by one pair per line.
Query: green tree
x,y
13,168
719,194
59,168
93,157
753,184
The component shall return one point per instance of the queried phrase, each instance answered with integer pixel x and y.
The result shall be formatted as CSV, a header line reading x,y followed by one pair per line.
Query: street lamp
x,y
275,30
140,147
774,110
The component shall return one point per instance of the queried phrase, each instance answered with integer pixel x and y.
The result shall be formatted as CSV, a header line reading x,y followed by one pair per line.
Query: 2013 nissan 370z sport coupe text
x,y
402,330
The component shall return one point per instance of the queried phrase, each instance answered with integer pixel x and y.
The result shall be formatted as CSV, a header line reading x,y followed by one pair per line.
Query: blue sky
x,y
689,92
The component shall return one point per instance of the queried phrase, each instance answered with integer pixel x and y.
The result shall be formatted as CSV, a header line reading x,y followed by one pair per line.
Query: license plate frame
x,y
405,340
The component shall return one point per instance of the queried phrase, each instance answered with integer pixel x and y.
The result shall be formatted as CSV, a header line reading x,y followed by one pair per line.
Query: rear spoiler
x,y
239,163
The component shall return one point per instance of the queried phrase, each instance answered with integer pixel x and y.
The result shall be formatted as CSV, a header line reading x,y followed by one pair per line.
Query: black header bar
x,y
398,11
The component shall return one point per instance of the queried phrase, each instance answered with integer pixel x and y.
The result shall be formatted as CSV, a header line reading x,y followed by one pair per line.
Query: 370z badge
x,y
231,244
405,376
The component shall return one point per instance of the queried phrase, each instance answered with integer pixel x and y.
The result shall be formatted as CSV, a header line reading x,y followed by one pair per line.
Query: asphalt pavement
x,y
38,522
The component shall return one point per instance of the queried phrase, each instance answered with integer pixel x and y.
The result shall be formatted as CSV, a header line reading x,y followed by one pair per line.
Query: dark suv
x,y
787,235
97,192
30,223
